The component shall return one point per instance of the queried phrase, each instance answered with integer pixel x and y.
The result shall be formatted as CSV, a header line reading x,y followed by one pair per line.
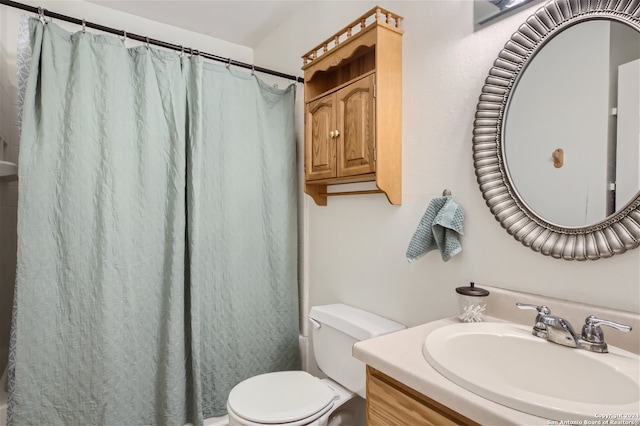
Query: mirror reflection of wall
x,y
627,120
566,99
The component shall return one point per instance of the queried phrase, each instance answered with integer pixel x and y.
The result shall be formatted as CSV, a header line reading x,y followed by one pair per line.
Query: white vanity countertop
x,y
399,355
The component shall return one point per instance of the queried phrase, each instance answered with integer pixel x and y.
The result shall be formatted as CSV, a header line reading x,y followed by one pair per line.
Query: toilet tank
x,y
335,329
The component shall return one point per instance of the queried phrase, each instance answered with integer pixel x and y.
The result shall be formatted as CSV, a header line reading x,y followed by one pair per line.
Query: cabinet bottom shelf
x,y
319,193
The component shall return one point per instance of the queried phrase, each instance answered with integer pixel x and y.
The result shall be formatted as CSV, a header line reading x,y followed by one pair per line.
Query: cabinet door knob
x,y
336,133
332,134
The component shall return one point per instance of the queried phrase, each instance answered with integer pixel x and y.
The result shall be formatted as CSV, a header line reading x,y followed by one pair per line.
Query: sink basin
x,y
505,363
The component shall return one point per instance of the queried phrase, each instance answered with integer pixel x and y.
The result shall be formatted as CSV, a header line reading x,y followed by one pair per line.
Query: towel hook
x,y
446,193
558,158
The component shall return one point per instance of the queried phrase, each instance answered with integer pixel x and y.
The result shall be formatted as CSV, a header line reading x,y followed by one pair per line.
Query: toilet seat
x,y
285,397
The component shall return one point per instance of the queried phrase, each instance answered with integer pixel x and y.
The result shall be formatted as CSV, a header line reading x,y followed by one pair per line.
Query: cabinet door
x,y
320,145
356,125
390,402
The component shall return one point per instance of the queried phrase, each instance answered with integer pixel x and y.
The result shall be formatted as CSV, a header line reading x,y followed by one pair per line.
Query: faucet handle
x,y
541,309
592,320
593,335
540,327
591,332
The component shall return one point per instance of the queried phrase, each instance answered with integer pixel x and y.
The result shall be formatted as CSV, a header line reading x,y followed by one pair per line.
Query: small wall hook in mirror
x,y
558,158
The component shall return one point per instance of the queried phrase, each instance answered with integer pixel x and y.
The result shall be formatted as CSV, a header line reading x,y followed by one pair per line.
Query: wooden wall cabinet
x,y
347,115
353,108
390,402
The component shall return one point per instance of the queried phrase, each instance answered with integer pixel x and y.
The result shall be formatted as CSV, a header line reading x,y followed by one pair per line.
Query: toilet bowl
x,y
296,398
292,398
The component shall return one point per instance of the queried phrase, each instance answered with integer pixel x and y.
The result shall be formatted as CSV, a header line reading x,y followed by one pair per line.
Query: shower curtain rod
x,y
43,12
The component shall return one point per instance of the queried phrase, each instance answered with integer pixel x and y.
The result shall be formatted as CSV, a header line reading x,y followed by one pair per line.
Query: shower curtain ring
x,y
84,26
253,69
147,42
124,36
229,64
182,51
41,15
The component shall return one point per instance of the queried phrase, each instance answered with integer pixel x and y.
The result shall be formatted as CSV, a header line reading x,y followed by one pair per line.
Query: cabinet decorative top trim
x,y
376,16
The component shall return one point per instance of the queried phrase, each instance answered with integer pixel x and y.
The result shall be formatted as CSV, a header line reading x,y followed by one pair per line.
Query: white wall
x,y
9,20
355,247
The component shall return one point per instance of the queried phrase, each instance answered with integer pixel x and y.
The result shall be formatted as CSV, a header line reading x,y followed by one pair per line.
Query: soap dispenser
x,y
471,303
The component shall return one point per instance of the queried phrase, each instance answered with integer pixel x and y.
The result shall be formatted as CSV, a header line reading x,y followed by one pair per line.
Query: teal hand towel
x,y
439,229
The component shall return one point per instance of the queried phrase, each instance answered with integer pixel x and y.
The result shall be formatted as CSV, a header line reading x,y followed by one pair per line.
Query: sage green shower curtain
x,y
156,235
242,229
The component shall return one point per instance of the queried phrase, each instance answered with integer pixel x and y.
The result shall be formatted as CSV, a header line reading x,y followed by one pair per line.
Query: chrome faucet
x,y
558,330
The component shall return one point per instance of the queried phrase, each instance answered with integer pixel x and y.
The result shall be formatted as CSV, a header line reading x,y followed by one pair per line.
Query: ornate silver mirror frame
x,y
614,235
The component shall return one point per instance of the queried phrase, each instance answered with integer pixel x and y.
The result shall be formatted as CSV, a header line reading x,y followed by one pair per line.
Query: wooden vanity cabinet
x,y
353,108
390,402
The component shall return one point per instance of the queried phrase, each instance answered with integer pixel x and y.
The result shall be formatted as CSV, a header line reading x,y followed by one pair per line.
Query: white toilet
x,y
296,398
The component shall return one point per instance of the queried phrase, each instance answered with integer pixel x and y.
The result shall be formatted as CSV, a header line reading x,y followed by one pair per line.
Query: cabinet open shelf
x,y
356,67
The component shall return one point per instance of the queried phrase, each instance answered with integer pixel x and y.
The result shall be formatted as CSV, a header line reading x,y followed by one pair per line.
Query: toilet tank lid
x,y
359,324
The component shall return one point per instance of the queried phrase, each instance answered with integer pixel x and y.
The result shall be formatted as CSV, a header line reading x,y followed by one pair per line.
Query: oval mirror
x,y
557,133
588,71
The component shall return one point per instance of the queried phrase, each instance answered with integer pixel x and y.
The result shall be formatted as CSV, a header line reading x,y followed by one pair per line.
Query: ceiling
x,y
244,22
